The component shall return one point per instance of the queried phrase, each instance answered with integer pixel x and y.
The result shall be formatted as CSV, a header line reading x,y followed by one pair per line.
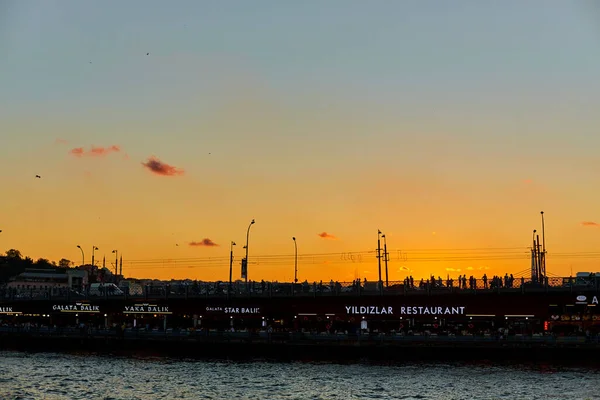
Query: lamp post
x,y
93,249
82,255
246,247
295,260
116,253
231,266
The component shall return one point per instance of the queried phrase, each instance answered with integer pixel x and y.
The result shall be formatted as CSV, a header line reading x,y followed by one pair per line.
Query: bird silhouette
x,y
37,176
147,54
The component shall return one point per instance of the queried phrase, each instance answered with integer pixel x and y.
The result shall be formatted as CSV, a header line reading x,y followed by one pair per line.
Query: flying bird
x,y
37,176
147,54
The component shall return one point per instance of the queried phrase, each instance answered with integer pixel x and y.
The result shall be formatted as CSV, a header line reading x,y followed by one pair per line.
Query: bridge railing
x,y
305,289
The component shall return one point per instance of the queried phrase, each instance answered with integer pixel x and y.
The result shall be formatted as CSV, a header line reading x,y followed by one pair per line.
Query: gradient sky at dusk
x,y
447,125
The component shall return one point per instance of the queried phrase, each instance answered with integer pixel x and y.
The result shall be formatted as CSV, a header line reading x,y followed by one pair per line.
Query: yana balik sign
x,y
76,308
9,311
147,309
404,310
234,310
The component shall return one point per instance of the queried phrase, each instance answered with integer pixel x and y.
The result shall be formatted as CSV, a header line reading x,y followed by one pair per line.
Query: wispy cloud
x,y
527,181
325,235
154,165
60,141
94,151
404,268
206,242
453,269
590,223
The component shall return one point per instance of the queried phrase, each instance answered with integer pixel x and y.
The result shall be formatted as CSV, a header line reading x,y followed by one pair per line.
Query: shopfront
x,y
9,315
236,317
577,316
147,316
75,314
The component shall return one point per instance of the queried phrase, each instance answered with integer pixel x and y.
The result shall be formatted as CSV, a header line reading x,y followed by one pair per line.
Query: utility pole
x,y
386,259
539,253
543,263
534,267
379,257
231,266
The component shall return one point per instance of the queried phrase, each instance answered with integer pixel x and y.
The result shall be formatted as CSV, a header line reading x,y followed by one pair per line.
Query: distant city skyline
x,y
162,131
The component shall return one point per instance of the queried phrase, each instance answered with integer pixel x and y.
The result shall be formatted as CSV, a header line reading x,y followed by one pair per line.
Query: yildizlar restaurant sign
x,y
404,310
76,308
9,311
147,309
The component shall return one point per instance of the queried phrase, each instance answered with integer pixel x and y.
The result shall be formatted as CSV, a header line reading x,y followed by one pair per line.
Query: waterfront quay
x,y
192,343
562,315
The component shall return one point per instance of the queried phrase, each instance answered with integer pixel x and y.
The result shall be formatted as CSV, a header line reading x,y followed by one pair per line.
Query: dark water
x,y
57,376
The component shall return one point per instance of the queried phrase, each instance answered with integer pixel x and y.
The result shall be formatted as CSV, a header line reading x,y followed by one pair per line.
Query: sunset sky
x,y
161,129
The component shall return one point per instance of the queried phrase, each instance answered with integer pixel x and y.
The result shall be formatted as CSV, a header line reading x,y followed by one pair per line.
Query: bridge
x,y
263,289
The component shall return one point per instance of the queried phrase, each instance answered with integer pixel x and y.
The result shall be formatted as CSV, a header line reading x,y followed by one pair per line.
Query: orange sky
x,y
157,127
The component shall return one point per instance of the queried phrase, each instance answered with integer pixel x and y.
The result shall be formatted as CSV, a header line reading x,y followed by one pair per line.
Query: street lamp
x,y
116,253
247,239
82,255
295,260
231,265
93,249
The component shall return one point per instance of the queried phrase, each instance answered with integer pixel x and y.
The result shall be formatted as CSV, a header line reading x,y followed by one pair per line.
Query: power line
x,y
353,257
365,252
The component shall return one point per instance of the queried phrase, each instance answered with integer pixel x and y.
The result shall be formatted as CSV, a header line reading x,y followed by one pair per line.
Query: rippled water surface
x,y
57,376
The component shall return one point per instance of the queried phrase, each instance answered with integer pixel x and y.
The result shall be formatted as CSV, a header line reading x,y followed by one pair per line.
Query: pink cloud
x,y
206,242
325,235
94,151
158,167
591,223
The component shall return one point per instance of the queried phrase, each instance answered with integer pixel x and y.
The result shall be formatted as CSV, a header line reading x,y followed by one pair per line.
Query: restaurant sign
x,y
146,309
9,311
404,310
234,310
76,308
